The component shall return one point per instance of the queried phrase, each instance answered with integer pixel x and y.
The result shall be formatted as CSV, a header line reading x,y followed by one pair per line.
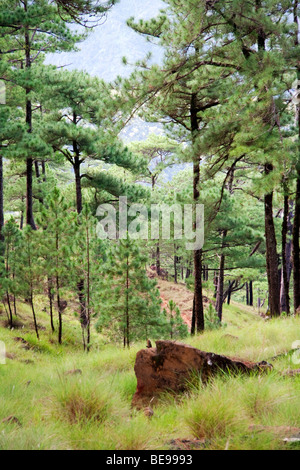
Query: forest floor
x,y
57,397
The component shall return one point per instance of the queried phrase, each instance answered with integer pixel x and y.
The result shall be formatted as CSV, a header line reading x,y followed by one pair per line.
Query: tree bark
x,y
251,300
271,253
175,265
198,294
28,119
286,253
220,286
34,317
50,297
158,265
77,165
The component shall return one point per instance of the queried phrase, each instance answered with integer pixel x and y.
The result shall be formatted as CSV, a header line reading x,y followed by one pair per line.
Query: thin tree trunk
x,y
127,307
229,292
158,264
50,297
220,287
60,325
10,311
193,325
284,292
215,284
34,316
79,206
271,254
77,165
88,289
29,163
198,294
251,300
247,293
37,169
175,265
44,171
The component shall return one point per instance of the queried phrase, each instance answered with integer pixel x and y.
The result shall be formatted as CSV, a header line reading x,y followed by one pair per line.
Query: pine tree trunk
x,y
44,171
88,287
10,311
22,216
215,284
127,307
247,293
158,265
220,287
193,325
198,294
60,324
77,165
34,316
37,169
271,254
229,293
251,300
50,297
29,163
175,266
284,291
79,206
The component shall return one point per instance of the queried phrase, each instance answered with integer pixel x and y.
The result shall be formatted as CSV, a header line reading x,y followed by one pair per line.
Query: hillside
x,y
55,397
234,315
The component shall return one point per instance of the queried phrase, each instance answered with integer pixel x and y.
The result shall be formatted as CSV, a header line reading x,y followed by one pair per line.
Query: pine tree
x,y
177,328
131,303
28,270
58,228
227,93
89,254
8,287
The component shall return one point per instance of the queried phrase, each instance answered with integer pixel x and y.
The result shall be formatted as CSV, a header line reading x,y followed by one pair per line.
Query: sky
x,y
102,52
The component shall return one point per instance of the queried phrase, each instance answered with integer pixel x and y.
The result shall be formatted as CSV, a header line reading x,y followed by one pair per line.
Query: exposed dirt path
x,y
181,296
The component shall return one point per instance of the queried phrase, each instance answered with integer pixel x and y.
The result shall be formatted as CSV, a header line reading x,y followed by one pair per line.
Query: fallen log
x,y
170,365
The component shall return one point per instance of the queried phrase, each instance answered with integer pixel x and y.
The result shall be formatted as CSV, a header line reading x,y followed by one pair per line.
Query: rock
x,y
169,366
148,412
12,420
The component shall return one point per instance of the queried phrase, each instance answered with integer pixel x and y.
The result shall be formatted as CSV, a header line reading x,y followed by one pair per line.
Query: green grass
x,y
92,410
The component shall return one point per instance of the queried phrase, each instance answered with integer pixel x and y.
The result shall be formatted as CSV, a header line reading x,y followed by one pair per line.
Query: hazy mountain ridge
x,y
102,52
